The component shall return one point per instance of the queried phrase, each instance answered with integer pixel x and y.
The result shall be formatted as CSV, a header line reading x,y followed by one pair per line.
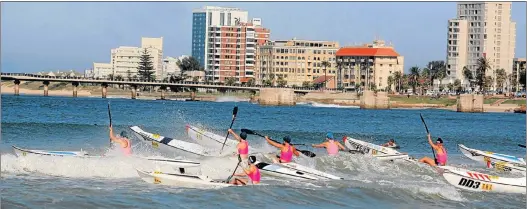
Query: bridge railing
x,y
161,82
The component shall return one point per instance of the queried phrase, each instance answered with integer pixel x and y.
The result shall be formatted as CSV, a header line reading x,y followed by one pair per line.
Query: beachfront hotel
x,y
368,65
483,29
224,42
125,60
296,61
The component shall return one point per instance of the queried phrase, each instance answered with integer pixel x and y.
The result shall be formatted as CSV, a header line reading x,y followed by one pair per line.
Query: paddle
x,y
427,132
521,145
110,116
305,152
234,112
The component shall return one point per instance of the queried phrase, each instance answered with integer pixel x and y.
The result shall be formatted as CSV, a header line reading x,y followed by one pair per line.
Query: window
x,y
222,19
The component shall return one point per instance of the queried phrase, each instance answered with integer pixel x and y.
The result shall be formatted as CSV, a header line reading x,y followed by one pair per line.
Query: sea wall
x,y
277,96
372,100
470,103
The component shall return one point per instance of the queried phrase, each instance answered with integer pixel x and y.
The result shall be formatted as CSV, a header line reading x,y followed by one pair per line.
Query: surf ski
x,y
496,161
181,180
207,138
279,170
379,152
311,171
22,152
171,144
480,182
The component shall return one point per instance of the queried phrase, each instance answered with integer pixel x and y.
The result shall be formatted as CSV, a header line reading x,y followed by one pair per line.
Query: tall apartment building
x,y
481,29
369,64
296,61
224,42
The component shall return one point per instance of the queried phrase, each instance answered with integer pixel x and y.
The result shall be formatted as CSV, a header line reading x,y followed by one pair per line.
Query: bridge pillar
x,y
17,87
104,90
46,84
75,85
163,89
134,89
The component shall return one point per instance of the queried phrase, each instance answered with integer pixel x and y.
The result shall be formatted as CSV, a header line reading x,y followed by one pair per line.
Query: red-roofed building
x,y
368,64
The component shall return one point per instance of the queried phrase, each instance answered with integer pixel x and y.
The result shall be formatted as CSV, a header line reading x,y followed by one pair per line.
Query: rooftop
x,y
366,51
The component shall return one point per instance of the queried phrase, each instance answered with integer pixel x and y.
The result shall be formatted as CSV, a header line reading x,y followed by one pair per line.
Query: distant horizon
x,y
43,37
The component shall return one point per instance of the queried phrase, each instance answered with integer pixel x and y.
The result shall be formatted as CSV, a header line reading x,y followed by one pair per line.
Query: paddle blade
x,y
248,131
307,153
423,120
521,145
235,111
109,114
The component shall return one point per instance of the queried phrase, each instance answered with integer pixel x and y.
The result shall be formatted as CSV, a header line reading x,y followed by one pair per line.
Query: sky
x,y
44,36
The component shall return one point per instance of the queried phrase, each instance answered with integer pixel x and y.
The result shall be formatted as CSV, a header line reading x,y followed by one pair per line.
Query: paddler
x,y
243,147
332,146
286,150
123,141
441,154
251,171
390,143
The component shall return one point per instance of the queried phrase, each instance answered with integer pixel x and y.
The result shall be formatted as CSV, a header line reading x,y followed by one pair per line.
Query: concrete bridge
x,y
134,83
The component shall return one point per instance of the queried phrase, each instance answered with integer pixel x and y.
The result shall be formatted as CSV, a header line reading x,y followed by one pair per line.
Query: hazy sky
x,y
59,35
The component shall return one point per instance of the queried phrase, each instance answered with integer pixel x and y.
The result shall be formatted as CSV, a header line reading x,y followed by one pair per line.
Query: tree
x,y
325,64
501,76
129,75
414,77
397,76
146,67
450,86
230,81
425,76
307,84
281,82
469,76
185,65
268,82
457,85
481,70
272,76
390,83
437,70
195,79
488,82
119,78
522,78
250,82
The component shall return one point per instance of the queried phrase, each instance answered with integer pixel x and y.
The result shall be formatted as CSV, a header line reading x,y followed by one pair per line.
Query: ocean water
x,y
63,123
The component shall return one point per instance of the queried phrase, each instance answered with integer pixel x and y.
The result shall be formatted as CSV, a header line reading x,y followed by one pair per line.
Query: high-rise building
x,y
224,42
296,61
368,65
481,29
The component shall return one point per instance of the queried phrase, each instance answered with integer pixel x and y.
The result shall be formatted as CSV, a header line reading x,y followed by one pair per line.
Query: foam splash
x,y
231,99
316,104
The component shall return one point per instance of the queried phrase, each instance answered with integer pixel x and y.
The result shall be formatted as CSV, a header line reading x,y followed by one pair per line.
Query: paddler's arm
x,y
234,134
271,142
322,145
340,146
123,143
431,142
295,152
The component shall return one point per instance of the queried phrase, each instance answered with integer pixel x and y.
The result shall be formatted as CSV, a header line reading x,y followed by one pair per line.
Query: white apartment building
x,y
481,29
125,59
102,70
170,66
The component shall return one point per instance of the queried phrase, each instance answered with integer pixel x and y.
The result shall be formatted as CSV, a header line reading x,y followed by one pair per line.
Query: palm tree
x,y
390,83
441,74
325,64
339,73
457,85
501,76
414,77
481,70
425,75
398,82
468,75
